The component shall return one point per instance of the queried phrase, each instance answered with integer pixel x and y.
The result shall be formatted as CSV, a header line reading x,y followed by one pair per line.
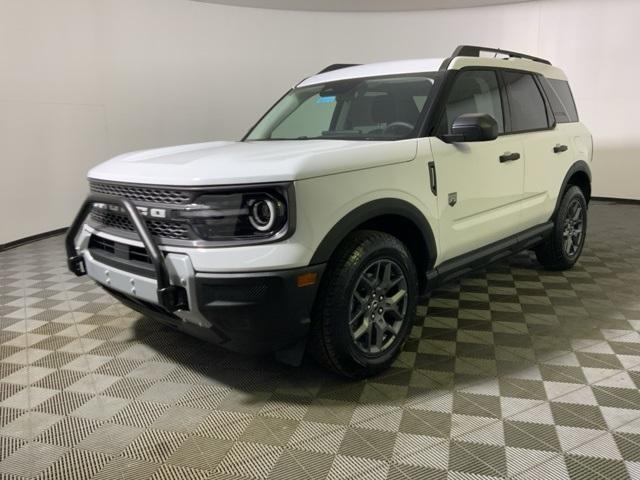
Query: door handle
x,y
560,148
509,157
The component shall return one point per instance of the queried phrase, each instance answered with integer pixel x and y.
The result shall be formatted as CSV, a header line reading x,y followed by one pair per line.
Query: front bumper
x,y
248,313
255,312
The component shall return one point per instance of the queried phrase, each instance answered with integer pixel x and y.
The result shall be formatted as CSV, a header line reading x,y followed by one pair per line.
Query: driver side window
x,y
473,91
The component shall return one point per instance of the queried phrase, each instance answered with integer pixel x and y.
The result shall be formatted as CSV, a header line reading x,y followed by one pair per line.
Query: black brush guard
x,y
170,297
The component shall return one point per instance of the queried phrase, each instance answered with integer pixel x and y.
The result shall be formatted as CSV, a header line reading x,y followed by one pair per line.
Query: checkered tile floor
x,y
514,372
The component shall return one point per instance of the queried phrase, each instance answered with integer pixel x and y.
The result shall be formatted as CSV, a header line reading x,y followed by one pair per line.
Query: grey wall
x,y
81,81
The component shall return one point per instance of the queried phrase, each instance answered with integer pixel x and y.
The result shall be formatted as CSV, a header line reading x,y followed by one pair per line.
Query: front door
x,y
479,184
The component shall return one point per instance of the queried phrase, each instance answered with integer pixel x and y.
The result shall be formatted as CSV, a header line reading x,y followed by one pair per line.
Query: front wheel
x,y
366,305
564,246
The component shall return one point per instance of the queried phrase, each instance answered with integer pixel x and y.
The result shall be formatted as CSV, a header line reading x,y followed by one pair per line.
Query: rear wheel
x,y
564,246
366,305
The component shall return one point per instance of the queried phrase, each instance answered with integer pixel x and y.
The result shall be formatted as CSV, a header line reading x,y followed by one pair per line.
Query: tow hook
x,y
77,266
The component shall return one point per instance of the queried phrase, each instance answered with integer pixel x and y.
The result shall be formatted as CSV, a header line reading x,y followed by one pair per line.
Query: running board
x,y
480,258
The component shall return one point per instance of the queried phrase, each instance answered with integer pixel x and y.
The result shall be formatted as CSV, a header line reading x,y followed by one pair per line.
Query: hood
x,y
228,163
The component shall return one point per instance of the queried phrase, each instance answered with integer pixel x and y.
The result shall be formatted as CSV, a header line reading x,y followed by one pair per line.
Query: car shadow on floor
x,y
489,331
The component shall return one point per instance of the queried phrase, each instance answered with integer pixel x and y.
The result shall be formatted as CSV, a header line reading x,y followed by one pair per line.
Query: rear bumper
x,y
248,313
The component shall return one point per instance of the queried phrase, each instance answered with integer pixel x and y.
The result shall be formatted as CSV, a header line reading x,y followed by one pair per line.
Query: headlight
x,y
263,214
242,215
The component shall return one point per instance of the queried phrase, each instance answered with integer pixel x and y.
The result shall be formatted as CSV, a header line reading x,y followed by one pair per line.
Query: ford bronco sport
x,y
361,188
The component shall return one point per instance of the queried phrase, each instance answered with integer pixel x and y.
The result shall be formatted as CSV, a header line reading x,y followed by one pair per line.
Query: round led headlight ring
x,y
263,214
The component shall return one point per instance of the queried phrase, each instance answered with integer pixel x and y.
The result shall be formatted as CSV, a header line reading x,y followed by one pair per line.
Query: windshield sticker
x,y
326,99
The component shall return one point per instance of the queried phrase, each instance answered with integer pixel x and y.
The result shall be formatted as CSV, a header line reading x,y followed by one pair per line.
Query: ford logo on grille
x,y
144,211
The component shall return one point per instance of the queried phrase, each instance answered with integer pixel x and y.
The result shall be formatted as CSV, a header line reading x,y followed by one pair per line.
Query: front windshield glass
x,y
375,108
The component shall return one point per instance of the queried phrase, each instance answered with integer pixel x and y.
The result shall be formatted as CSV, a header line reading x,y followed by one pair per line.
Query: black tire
x,y
555,253
333,342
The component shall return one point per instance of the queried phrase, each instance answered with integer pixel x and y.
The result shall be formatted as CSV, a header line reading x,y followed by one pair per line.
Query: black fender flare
x,y
579,166
369,211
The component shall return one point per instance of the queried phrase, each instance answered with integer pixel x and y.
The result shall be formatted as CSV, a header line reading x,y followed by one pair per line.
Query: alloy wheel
x,y
378,306
573,230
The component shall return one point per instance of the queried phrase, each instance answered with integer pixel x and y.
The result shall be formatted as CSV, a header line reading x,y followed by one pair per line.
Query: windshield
x,y
377,108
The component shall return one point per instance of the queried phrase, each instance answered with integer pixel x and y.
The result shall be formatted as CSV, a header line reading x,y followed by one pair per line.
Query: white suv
x,y
361,188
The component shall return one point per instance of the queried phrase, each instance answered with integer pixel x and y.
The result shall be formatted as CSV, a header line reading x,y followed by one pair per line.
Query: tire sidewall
x,y
572,194
340,317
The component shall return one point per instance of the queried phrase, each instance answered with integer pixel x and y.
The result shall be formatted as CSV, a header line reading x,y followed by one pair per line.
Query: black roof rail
x,y
337,66
473,51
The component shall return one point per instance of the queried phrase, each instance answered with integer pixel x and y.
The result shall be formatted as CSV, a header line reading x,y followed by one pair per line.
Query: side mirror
x,y
472,127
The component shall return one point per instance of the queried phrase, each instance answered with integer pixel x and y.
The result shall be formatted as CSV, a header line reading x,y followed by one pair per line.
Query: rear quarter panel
x,y
581,144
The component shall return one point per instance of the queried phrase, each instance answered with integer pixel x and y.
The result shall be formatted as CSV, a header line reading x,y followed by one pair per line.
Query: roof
x,y
545,69
432,65
376,70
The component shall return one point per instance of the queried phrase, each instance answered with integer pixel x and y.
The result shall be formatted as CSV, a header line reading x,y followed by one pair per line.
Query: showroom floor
x,y
513,372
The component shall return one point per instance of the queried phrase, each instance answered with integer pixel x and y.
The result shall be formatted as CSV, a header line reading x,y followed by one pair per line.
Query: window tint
x,y
561,100
474,91
528,110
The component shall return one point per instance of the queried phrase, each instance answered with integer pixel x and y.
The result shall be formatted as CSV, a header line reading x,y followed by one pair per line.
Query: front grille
x,y
113,220
166,196
157,228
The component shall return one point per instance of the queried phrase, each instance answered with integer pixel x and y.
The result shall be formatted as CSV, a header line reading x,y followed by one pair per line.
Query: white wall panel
x,y
596,43
81,81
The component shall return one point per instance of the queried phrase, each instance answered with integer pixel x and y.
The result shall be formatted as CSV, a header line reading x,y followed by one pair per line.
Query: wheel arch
x,y
579,175
390,215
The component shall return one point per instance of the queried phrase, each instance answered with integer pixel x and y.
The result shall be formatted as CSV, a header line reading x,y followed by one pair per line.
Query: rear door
x,y
545,147
568,140
479,190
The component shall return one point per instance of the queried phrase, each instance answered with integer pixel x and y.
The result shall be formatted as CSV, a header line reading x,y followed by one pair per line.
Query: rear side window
x,y
561,99
474,91
527,107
